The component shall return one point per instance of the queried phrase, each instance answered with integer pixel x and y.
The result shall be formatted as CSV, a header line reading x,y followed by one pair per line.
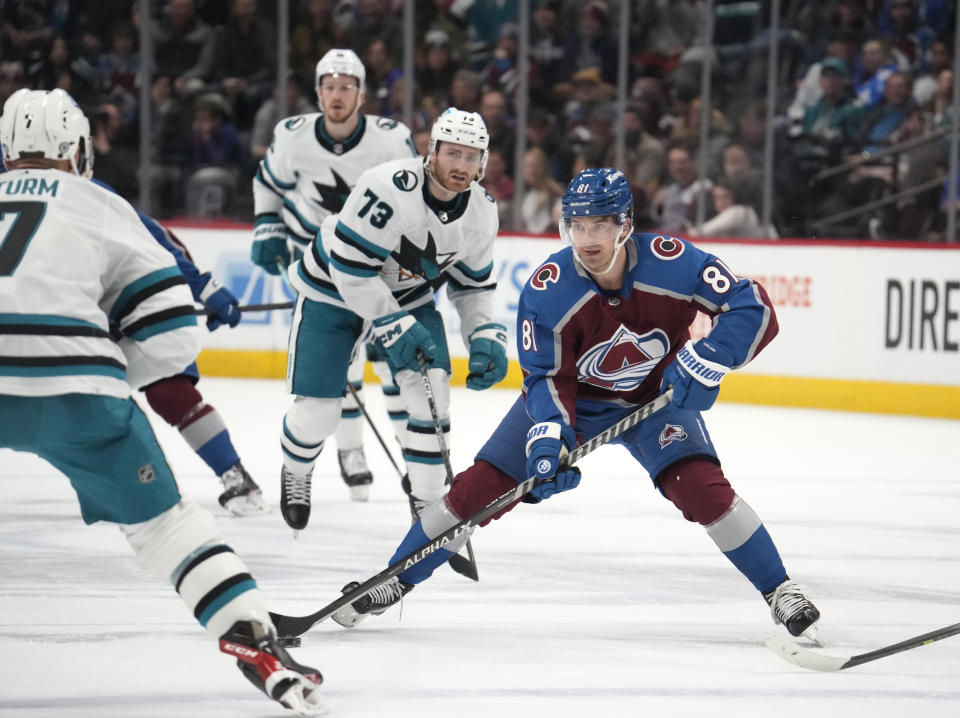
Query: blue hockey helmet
x,y
597,192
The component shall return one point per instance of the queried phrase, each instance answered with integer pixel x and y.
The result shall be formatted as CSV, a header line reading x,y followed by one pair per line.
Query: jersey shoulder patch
x,y
293,123
385,123
405,180
666,248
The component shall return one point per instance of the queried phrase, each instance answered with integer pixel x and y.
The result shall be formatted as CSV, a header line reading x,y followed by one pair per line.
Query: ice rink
x,y
598,603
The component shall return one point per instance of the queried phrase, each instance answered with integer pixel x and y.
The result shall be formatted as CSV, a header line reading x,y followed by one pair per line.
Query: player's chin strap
x,y
622,240
428,173
296,625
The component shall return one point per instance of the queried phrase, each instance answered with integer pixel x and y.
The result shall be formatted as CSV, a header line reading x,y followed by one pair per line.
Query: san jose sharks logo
x,y
423,262
624,361
332,197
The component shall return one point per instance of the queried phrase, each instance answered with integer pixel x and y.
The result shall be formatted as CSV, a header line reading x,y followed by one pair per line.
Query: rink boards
x,y
863,326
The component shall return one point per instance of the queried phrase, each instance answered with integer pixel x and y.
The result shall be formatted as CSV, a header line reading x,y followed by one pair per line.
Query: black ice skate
x,y
374,603
795,611
355,473
241,496
295,498
269,667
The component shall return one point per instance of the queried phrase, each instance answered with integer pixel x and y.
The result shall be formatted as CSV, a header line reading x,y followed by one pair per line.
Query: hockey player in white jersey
x,y
75,261
408,227
310,168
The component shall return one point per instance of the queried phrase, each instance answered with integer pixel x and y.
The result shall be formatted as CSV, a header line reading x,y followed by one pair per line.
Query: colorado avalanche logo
x,y
666,247
671,433
623,362
546,274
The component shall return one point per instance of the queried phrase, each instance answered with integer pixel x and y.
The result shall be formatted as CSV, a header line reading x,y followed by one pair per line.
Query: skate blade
x,y
811,638
247,506
360,493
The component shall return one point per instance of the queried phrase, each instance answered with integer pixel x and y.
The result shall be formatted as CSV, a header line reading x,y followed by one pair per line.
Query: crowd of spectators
x,y
855,78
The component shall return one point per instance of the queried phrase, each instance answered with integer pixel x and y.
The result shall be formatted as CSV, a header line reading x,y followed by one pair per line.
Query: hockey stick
x,y
383,444
247,308
296,625
805,658
464,565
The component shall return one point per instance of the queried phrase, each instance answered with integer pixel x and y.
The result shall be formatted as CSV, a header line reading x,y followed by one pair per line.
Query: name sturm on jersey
x,y
623,362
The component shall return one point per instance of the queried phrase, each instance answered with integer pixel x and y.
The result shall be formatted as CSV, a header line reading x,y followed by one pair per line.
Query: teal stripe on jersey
x,y
223,599
166,325
52,320
139,285
478,275
276,180
317,287
355,238
306,224
35,372
353,270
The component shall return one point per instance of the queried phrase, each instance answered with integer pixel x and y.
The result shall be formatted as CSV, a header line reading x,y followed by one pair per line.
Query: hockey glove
x,y
219,300
545,441
400,336
695,374
488,356
269,244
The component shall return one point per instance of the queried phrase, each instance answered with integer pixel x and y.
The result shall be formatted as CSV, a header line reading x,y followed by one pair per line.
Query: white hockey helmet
x,y
460,127
341,62
51,123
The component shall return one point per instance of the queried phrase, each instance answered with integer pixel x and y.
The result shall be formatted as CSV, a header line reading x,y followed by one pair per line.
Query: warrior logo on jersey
x,y
423,262
544,276
671,433
294,122
332,197
666,247
624,361
405,180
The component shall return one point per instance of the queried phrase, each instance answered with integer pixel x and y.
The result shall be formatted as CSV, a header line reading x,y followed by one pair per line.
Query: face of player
x,y
340,97
595,239
455,166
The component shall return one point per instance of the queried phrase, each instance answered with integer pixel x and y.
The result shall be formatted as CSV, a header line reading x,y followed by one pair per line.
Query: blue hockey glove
x,y
695,374
400,335
221,302
545,441
269,244
488,356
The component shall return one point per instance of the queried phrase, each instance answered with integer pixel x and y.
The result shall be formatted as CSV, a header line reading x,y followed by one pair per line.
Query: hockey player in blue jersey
x,y
178,401
603,328
90,308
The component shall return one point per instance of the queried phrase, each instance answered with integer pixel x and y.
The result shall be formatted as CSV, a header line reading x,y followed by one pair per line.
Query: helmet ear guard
x,y
47,123
460,127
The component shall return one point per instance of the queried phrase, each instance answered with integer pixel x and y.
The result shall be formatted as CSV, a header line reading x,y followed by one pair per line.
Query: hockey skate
x,y
795,611
269,667
241,496
355,474
375,602
295,498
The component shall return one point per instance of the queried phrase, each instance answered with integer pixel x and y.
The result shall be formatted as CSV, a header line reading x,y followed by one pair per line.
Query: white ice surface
x,y
601,602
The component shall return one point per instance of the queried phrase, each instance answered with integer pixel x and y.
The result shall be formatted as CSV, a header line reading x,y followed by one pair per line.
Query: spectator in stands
x,y
493,110
881,124
376,21
833,119
909,36
483,20
246,60
942,106
499,186
591,43
115,164
269,115
438,68
843,47
925,82
735,214
184,48
751,130
540,205
878,65
118,70
465,90
28,26
546,54
381,74
589,90
440,15
646,154
500,72
421,140
12,78
687,130
314,32
676,204
214,138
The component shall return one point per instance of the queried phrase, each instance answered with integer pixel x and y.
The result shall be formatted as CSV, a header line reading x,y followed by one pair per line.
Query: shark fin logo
x,y
332,196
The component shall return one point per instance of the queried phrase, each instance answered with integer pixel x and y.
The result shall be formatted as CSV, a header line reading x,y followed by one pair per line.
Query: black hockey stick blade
x,y
297,625
805,658
199,311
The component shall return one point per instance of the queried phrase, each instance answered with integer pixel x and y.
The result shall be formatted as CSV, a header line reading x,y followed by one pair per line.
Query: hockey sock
x,y
349,433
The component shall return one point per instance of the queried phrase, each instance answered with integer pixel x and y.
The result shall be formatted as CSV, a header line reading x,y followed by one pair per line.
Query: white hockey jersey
x,y
306,175
394,244
89,302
